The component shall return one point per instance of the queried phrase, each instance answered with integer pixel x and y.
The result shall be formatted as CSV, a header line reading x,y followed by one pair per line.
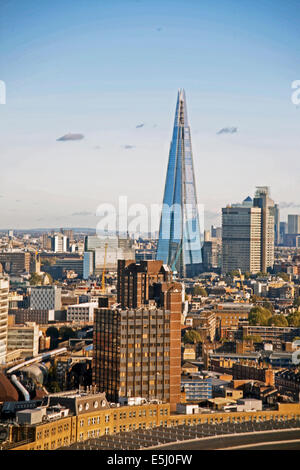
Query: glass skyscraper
x,y
179,243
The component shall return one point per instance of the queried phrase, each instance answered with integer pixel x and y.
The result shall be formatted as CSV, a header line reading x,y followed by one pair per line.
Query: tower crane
x,y
103,272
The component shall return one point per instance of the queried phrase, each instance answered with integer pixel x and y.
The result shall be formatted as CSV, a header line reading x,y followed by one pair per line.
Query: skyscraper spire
x,y
179,243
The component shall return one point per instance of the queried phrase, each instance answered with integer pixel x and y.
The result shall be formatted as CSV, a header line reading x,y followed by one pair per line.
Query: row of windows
x,y
46,432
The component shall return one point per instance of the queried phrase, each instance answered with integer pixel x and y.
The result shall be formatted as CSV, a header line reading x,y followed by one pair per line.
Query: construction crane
x,y
242,284
103,272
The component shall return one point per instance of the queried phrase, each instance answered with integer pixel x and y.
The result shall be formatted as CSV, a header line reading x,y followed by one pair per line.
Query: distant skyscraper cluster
x,y
248,234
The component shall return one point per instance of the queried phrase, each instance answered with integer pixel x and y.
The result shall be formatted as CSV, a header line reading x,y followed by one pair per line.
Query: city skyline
x,y
95,93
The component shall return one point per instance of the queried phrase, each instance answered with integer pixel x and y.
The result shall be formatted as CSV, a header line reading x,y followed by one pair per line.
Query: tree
x,y
284,276
54,335
254,338
296,302
52,331
65,332
294,319
234,273
259,316
35,279
198,290
52,382
192,337
278,320
260,274
268,305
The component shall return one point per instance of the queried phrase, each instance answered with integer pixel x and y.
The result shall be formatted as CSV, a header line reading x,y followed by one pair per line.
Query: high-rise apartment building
x,y
179,244
4,288
266,204
137,345
293,224
241,237
137,352
140,282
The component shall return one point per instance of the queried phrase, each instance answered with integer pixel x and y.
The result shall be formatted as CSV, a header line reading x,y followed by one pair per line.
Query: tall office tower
x,y
59,243
293,224
137,352
212,254
137,282
283,231
276,213
4,288
262,199
241,237
179,243
69,233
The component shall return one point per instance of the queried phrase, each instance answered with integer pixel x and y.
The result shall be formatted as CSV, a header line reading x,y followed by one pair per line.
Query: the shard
x,y
179,243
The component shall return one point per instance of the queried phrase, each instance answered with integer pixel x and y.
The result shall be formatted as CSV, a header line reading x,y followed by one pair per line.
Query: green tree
x,y
234,273
192,337
35,279
284,276
260,274
268,305
54,335
198,290
254,338
296,302
278,320
52,331
294,319
65,332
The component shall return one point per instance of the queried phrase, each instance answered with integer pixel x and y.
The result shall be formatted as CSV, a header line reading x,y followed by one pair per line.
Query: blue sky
x,y
101,68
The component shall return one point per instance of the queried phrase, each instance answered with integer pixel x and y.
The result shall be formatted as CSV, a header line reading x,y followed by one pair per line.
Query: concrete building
x,y
196,388
212,254
137,347
40,317
24,337
293,224
241,237
45,298
15,262
4,288
59,243
137,353
106,250
81,312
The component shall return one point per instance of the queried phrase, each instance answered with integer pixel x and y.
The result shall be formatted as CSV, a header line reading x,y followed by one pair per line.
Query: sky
x,y
91,89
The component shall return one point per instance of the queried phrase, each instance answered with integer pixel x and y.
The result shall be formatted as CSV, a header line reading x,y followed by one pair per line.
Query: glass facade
x,y
179,243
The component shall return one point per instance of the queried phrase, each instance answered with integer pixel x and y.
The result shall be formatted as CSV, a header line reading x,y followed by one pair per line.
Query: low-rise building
x,y
81,312
24,337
